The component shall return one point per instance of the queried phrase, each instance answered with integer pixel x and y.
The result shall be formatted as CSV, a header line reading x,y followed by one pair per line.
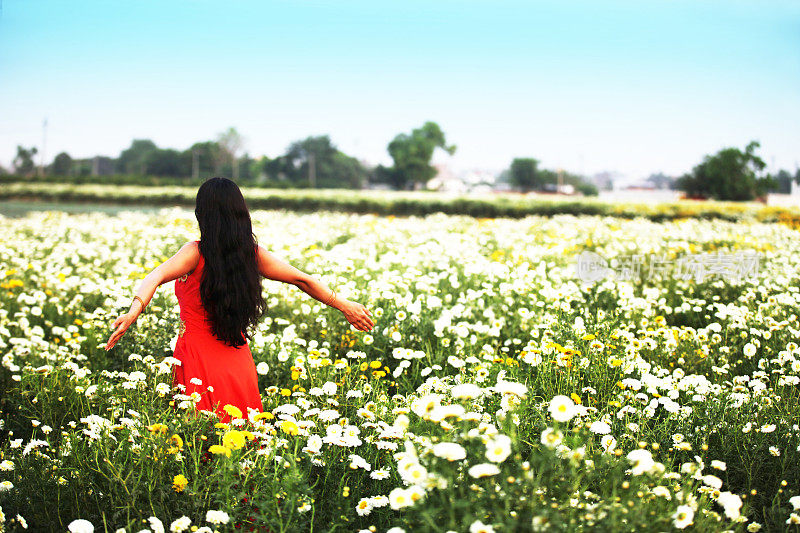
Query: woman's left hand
x,y
121,324
357,314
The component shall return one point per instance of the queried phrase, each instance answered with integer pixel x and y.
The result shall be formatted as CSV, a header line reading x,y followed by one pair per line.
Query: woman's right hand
x,y
120,326
357,315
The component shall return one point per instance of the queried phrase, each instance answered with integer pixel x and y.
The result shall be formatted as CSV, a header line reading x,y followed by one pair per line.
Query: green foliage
x,y
783,182
209,157
164,163
316,162
283,195
685,395
62,164
23,161
730,174
412,155
313,162
134,159
587,189
524,174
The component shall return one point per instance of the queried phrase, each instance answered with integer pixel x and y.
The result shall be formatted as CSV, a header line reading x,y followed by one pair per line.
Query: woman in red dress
x,y
218,286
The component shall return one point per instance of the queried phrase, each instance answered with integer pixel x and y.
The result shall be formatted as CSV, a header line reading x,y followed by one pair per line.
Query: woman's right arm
x,y
273,268
183,262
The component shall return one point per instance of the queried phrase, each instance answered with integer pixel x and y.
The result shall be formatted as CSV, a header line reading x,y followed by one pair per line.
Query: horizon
x,y
619,87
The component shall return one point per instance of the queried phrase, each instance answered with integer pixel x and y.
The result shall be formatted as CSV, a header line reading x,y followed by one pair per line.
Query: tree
x,y
348,171
524,174
209,158
660,180
23,162
412,156
730,174
305,158
230,143
133,160
783,182
62,164
317,162
246,166
164,163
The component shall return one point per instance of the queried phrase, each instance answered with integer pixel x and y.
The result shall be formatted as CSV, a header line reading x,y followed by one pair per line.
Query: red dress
x,y
230,371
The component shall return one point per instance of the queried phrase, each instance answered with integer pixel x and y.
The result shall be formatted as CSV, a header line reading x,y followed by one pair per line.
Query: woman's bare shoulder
x,y
191,251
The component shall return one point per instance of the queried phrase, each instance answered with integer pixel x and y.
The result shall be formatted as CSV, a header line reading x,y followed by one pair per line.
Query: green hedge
x,y
399,203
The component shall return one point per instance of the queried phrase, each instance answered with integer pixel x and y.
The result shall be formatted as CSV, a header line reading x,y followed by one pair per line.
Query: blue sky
x,y
628,86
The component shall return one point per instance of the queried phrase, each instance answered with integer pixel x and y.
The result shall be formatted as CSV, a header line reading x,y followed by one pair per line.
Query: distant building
x,y
445,181
604,180
646,186
563,189
476,180
102,166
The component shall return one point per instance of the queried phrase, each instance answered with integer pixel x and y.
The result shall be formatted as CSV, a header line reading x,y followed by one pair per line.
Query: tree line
x,y
315,162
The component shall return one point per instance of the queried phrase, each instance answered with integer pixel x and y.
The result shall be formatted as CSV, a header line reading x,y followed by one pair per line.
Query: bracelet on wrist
x,y
140,302
332,298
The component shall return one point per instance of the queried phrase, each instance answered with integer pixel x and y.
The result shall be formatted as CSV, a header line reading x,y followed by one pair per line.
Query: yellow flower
x,y
265,416
179,482
375,364
216,449
233,439
286,392
232,410
575,398
289,427
157,427
177,444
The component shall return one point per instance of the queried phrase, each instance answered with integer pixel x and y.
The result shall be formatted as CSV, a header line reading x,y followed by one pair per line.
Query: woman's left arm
x,y
176,266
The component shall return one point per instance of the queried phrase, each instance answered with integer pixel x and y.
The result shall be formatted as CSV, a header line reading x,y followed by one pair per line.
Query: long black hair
x,y
230,287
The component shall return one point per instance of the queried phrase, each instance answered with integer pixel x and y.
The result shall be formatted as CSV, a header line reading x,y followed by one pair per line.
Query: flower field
x,y
497,392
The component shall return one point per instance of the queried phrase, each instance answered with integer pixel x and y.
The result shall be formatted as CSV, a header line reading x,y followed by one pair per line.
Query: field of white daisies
x,y
497,392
